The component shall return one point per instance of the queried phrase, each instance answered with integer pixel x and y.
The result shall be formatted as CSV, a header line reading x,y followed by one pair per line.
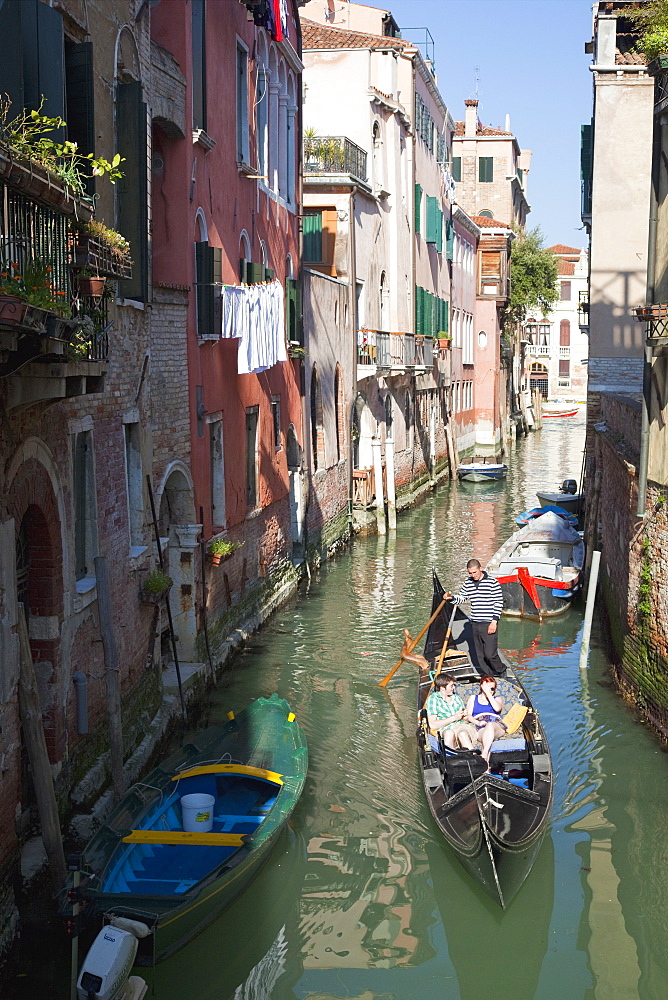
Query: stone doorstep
x,y
189,674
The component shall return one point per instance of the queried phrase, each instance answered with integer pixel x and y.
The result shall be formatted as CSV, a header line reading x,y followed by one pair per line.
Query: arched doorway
x,y
539,378
364,430
179,539
297,493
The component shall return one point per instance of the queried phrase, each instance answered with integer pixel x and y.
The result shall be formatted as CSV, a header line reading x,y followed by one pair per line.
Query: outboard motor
x,y
105,974
569,486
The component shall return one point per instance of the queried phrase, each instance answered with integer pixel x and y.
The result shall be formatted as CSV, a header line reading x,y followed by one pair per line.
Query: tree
x,y
651,20
533,278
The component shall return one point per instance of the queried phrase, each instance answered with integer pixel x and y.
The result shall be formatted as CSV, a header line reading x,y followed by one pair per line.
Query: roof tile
x,y
460,128
486,223
319,36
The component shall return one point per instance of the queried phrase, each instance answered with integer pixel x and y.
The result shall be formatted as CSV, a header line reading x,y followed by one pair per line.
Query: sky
x,y
529,60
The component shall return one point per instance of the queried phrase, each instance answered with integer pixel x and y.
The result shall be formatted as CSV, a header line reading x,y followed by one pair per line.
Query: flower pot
x,y
216,558
91,287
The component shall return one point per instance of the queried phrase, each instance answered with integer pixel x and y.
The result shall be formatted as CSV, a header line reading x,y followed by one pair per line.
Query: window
x,y
276,420
565,333
131,189
262,112
434,224
243,156
564,368
313,237
418,207
135,484
208,277
199,64
441,151
251,456
388,415
485,169
217,471
294,332
565,291
317,423
456,168
486,213
85,506
449,239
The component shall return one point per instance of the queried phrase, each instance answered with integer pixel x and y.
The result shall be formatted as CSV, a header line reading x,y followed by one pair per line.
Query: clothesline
x,y
255,316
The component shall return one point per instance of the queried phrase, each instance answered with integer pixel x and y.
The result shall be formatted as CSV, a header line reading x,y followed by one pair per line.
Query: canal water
x,y
362,898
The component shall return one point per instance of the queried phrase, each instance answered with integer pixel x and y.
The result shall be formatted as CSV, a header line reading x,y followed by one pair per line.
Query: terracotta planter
x,y
216,558
17,312
91,287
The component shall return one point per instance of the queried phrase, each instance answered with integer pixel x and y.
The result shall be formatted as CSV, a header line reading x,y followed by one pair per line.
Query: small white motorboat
x,y
481,472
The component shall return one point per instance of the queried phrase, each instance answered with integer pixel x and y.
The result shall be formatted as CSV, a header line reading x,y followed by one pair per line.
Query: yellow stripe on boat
x,y
254,772
183,838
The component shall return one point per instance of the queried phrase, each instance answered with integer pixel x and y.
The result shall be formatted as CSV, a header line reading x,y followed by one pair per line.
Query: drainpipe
x,y
81,684
643,462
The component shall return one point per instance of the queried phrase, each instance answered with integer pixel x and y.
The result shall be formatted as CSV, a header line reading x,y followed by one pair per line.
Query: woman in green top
x,y
446,712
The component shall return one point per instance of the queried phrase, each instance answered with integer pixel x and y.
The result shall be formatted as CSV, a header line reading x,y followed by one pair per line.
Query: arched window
x,y
377,154
262,106
408,418
282,132
317,423
263,254
486,213
388,415
291,140
384,303
339,410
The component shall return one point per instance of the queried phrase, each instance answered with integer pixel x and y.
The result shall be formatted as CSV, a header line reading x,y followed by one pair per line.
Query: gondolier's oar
x,y
394,669
445,641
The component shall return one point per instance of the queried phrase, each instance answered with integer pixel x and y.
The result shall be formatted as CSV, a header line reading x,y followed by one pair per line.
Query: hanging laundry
x,y
255,315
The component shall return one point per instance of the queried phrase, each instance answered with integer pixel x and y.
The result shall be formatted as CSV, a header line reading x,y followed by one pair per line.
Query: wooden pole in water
x,y
111,676
589,608
33,732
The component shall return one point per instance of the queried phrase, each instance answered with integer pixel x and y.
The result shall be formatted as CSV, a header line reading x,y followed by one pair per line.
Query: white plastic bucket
x,y
197,812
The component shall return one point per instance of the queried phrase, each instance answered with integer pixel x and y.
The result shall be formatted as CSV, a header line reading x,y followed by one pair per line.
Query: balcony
x,y
564,352
583,311
539,350
380,352
655,315
53,339
334,155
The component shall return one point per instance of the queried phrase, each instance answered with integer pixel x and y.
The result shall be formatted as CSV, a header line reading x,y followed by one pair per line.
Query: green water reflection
x,y
363,899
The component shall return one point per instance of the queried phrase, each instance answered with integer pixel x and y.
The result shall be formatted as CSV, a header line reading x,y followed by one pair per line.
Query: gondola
x,y
494,820
175,863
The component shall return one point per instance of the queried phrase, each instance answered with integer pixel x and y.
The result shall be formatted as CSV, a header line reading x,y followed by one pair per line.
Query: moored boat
x,y
560,413
177,864
494,820
539,567
528,515
568,498
481,472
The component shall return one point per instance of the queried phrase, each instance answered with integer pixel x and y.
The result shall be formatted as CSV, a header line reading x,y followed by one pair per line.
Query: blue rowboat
x,y
144,865
529,515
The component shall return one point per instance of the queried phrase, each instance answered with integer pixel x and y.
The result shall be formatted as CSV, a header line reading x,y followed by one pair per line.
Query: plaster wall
x,y
619,229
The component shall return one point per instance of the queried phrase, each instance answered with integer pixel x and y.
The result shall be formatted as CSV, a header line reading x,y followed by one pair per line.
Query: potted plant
x,y
31,285
89,285
155,586
222,548
97,246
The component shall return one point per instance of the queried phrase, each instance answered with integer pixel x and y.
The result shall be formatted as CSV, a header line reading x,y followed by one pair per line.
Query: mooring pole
x,y
589,608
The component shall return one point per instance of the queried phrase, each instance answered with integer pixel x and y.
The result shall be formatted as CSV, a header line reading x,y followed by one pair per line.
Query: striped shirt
x,y
485,597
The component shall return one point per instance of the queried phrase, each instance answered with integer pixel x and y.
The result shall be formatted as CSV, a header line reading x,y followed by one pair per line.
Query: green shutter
x,y
11,64
204,291
432,220
313,237
439,230
456,168
585,152
486,169
80,101
449,239
131,191
243,277
418,309
293,311
418,207
269,274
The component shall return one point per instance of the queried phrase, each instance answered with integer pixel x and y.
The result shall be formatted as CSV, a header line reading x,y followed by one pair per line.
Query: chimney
x,y
471,126
507,126
606,40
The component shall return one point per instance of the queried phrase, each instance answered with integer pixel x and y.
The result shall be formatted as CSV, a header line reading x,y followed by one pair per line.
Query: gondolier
x,y
484,594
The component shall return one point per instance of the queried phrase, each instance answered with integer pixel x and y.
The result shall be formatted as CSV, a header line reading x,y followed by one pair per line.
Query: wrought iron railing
x,y
334,154
32,232
655,315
